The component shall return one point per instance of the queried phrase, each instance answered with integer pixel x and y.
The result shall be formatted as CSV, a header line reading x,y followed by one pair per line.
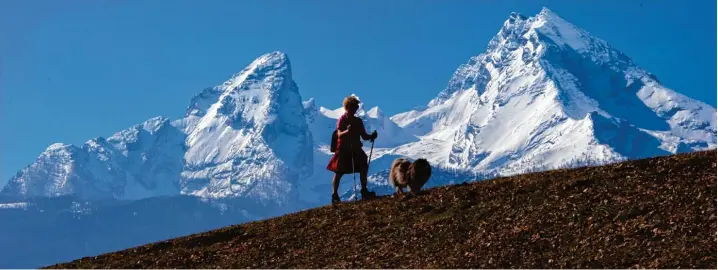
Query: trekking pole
x,y
351,145
370,152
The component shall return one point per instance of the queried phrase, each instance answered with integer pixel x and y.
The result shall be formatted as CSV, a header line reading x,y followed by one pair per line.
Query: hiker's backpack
x,y
335,137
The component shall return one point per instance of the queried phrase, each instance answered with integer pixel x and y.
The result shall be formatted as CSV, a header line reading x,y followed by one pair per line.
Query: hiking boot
x,y
335,199
366,194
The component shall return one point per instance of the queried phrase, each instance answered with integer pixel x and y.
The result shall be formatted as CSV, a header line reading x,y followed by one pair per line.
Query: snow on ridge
x,y
273,60
154,124
17,205
335,114
375,112
560,30
58,146
309,104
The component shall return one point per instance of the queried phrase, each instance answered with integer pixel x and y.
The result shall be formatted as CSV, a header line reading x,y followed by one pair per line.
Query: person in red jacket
x,y
350,130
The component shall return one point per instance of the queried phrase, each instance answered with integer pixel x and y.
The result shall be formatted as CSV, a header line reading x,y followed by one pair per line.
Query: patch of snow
x,y
17,205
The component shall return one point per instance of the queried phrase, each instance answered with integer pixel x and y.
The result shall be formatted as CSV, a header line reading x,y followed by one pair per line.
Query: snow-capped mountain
x,y
245,138
253,141
142,161
547,92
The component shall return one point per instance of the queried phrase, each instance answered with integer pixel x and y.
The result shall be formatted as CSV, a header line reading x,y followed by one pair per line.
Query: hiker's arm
x,y
367,136
341,133
364,135
343,126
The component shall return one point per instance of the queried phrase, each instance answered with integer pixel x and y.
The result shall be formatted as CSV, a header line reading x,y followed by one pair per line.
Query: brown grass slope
x,y
651,213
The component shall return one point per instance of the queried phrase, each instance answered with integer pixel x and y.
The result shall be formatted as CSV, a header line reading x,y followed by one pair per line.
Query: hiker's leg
x,y
335,182
362,177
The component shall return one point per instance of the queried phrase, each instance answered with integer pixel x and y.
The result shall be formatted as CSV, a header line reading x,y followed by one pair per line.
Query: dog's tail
x,y
396,173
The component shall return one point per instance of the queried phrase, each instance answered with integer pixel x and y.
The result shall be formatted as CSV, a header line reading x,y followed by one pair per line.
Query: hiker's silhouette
x,y
349,157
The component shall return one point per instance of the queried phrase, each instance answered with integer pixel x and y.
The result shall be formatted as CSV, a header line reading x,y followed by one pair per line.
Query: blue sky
x,y
75,70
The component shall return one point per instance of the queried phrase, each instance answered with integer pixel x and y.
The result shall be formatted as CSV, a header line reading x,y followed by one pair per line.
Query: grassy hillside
x,y
652,213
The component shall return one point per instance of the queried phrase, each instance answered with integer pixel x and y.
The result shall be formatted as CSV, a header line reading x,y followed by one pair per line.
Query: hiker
x,y
349,149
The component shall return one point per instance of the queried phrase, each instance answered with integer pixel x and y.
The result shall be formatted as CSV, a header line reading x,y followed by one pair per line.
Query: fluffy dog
x,y
413,175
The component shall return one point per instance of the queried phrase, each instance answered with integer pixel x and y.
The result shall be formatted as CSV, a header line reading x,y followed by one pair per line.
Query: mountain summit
x,y
548,93
253,140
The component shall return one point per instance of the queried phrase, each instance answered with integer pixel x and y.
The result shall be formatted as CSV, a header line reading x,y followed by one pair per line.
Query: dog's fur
x,y
413,175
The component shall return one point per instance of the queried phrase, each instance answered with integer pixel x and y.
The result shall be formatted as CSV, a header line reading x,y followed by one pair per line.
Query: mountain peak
x,y
547,13
544,26
270,64
562,32
58,147
516,15
252,96
154,124
375,112
275,64
310,104
273,59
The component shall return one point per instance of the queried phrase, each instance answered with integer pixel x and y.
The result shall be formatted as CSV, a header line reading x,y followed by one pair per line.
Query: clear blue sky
x,y
75,70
